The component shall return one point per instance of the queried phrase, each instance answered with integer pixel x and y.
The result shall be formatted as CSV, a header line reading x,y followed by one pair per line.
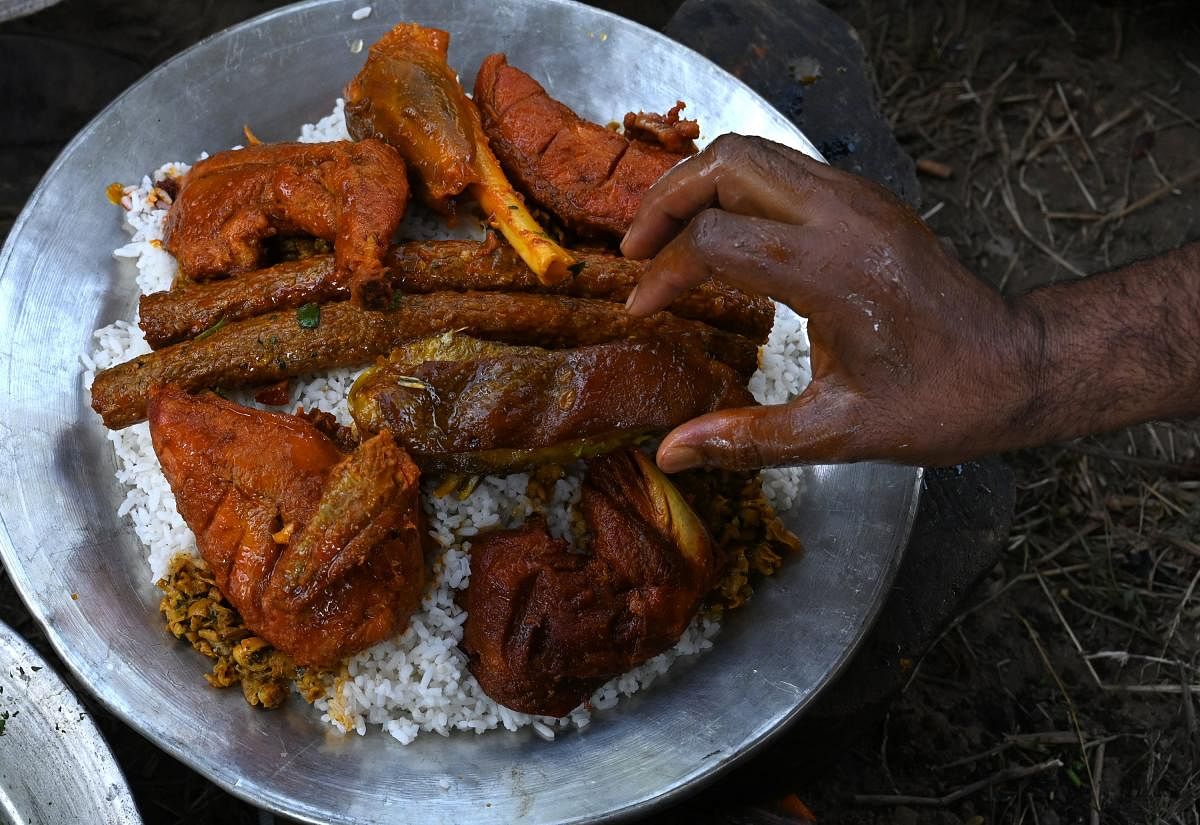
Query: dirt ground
x,y
1064,691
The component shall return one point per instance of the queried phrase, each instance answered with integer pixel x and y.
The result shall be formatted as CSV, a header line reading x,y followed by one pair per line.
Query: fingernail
x,y
680,458
630,299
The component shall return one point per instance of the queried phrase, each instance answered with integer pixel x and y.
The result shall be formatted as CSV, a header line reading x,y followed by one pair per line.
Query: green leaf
x,y
211,330
309,316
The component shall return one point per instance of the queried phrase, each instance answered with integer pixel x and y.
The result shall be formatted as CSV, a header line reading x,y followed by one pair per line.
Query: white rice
x,y
418,682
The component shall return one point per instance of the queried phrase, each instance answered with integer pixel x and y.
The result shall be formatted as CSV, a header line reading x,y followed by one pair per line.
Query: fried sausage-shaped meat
x,y
319,550
353,194
269,348
458,403
432,266
407,95
546,627
589,176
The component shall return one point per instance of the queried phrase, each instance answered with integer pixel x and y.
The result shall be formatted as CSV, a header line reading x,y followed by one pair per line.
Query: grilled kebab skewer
x,y
431,266
272,347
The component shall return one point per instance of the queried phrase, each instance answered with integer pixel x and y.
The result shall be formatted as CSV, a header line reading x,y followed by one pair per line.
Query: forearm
x,y
914,358
1110,351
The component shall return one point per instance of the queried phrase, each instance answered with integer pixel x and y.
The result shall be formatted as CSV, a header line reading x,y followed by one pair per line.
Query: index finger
x,y
744,175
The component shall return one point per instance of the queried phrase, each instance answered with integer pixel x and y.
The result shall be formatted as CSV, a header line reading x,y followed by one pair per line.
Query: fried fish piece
x,y
591,177
433,266
319,551
460,404
546,626
353,194
287,344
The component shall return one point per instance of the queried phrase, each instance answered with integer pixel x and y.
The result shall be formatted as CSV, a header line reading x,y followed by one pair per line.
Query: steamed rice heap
x,y
420,680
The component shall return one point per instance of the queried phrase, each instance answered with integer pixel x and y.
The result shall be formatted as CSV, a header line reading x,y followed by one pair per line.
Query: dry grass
x,y
1070,133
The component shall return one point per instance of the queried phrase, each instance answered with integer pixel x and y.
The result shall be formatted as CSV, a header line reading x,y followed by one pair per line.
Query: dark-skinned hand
x,y
913,358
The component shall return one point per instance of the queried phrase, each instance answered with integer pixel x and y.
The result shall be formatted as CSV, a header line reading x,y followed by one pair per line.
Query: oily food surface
x,y
353,194
224,334
474,406
408,95
546,627
271,347
173,315
321,552
591,177
377,688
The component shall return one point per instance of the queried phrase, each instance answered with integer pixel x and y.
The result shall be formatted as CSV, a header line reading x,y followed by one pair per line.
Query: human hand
x,y
913,358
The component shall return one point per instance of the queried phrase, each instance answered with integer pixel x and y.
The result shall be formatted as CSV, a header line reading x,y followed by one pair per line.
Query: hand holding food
x,y
911,354
914,359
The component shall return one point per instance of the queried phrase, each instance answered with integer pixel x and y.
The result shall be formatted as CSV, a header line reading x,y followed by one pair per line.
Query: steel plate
x,y
55,767
81,570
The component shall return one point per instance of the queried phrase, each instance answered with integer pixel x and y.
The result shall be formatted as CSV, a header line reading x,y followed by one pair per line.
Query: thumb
x,y
812,429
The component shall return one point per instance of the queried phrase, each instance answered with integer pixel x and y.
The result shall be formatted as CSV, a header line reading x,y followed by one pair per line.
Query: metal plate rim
x,y
702,775
116,806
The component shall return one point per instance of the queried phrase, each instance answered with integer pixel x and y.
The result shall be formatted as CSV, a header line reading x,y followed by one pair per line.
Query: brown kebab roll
x,y
432,266
286,344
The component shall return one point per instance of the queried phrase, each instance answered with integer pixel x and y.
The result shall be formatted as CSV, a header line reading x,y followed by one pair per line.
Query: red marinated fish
x,y
590,177
319,550
353,194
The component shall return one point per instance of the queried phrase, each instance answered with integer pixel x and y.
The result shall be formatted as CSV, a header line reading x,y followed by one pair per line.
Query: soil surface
x,y
1071,133
1063,693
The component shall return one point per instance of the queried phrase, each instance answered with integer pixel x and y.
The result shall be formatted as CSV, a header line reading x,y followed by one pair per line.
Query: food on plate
x,y
353,194
460,404
197,612
591,177
747,530
546,626
293,541
319,550
173,315
268,348
669,131
407,95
